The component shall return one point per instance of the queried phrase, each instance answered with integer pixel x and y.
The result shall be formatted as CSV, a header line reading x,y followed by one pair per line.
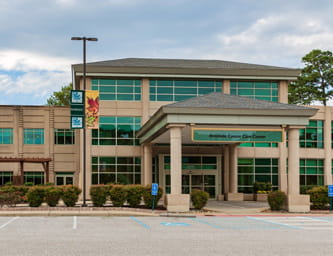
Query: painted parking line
x,y
8,222
273,221
75,222
140,222
175,224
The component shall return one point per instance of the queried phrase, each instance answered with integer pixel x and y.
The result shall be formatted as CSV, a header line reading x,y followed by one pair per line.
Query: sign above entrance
x,y
236,135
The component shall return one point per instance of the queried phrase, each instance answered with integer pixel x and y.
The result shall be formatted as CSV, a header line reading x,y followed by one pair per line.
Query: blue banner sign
x,y
330,190
154,189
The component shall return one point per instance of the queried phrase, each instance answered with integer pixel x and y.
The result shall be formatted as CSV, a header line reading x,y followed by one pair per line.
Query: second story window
x,y
6,136
33,136
64,136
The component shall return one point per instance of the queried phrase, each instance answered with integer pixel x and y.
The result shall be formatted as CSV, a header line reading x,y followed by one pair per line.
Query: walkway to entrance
x,y
234,207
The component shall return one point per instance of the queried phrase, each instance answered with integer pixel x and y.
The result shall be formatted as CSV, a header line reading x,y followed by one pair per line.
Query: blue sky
x,y
36,52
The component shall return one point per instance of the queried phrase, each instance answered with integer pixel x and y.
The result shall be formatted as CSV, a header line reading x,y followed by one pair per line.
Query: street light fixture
x,y
84,39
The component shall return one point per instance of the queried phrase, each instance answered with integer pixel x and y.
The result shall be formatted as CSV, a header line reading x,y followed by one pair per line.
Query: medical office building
x,y
185,124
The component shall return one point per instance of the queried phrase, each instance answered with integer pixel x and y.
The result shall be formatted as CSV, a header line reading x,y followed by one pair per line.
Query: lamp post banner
x,y
92,109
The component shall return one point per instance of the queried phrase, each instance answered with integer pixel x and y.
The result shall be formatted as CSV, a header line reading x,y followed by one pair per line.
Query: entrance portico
x,y
175,125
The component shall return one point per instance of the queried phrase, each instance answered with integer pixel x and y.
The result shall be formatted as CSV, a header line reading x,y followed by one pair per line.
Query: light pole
x,y
84,39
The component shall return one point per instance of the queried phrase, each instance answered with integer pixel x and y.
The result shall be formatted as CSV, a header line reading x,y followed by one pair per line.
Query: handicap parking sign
x,y
154,189
330,190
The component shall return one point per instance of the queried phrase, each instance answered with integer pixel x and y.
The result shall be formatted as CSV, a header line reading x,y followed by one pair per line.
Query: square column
x,y
176,201
233,194
147,164
327,147
296,202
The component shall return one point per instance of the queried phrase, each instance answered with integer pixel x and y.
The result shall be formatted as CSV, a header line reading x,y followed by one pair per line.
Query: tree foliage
x,y
61,98
316,79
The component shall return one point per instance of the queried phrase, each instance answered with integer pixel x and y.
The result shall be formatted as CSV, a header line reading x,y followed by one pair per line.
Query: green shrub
x,y
10,198
134,195
99,194
29,184
199,198
70,195
148,198
35,196
276,200
21,190
305,188
261,186
118,195
52,195
319,197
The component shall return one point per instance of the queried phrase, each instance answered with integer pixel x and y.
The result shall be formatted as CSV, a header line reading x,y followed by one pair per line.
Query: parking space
x,y
164,235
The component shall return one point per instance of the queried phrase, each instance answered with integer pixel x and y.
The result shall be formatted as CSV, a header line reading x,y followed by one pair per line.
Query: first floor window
x,y
311,172
64,178
35,178
120,170
6,177
252,170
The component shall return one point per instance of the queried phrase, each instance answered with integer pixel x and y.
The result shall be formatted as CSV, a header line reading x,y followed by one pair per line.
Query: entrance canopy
x,y
218,110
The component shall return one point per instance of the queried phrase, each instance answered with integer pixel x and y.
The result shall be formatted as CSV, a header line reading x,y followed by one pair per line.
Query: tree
x,y
61,98
316,79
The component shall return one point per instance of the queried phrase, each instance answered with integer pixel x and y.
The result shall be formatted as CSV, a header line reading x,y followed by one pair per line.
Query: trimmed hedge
x,y
70,195
35,196
319,197
134,195
118,195
99,194
10,198
148,198
276,200
52,195
199,198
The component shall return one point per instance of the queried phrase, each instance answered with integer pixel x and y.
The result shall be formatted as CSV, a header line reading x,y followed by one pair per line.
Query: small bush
x,y
10,198
262,186
35,196
52,195
21,190
70,195
28,184
276,200
199,198
305,188
148,198
118,195
99,194
319,197
134,195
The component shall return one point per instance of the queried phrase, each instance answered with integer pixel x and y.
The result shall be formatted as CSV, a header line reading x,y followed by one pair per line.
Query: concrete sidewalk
x,y
212,208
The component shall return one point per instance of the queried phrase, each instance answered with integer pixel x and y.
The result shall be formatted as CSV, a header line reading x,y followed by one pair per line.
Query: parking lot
x,y
246,235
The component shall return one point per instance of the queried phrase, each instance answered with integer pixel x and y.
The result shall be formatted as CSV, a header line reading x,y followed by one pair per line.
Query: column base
x,y
220,197
177,203
234,197
298,203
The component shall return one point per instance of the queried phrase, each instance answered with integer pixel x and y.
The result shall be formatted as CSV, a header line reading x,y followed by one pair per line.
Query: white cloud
x,y
27,61
276,39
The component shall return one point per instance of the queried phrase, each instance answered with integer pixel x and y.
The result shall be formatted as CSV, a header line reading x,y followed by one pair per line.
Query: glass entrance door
x,y
199,181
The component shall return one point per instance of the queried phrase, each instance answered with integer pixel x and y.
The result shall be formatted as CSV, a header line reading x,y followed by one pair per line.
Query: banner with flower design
x,y
92,109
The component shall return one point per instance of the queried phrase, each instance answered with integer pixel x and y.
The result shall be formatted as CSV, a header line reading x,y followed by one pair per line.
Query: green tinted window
x,y
119,130
120,89
64,136
259,90
313,135
311,171
36,178
194,162
177,90
121,170
33,136
251,170
6,177
6,136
